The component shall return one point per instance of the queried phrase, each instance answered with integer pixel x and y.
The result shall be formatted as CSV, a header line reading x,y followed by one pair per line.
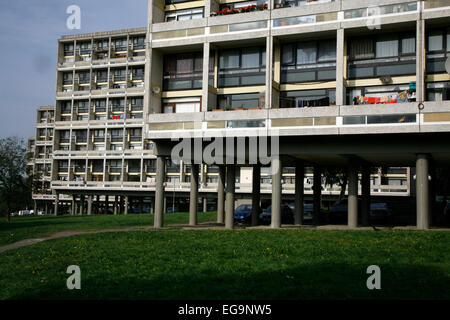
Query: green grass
x,y
21,228
239,264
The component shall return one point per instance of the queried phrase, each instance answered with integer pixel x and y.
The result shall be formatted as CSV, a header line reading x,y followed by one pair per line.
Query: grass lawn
x,y
27,227
239,264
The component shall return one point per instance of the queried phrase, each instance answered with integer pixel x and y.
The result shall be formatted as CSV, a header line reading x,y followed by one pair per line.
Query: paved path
x,y
201,226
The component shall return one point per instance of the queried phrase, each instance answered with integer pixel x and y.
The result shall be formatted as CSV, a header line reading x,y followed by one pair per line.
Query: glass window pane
x,y
287,54
229,59
306,52
361,49
185,64
327,50
435,41
386,47
409,45
250,58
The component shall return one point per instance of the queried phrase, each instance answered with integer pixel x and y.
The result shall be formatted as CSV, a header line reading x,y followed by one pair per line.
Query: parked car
x,y
308,210
287,215
171,209
379,212
243,213
24,213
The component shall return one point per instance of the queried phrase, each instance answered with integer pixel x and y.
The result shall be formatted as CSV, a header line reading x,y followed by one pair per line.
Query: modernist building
x,y
348,83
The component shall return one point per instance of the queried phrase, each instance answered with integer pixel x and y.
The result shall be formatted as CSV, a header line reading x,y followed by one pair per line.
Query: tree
x,y
14,191
337,176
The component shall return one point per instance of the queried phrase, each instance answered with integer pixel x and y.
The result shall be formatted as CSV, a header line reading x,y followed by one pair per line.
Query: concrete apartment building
x,y
353,84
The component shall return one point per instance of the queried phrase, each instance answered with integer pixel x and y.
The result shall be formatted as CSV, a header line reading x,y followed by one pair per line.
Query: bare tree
x,y
14,191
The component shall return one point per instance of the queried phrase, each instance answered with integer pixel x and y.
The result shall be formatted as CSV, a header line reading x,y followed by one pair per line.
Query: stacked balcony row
x,y
120,108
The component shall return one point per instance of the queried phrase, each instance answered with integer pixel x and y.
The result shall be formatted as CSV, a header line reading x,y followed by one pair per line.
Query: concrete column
x,y
340,68
299,193
125,205
256,194
159,191
276,193
35,208
141,205
205,205
317,194
73,209
193,198
352,217
46,208
56,203
89,205
116,200
229,201
83,205
365,190
422,190
97,203
221,194
165,204
420,61
106,204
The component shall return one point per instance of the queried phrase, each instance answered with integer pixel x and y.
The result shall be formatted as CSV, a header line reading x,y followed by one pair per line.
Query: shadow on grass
x,y
300,282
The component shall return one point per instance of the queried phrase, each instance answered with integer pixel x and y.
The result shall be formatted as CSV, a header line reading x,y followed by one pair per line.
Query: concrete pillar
x,y
89,205
365,190
74,206
46,208
420,60
205,205
159,191
141,205
125,205
165,204
56,203
340,68
229,201
152,205
193,198
83,205
276,193
317,194
106,204
256,194
35,208
352,217
422,190
299,193
97,203
221,194
116,200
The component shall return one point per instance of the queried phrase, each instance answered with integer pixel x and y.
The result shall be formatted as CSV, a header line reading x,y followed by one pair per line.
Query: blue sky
x,y
29,31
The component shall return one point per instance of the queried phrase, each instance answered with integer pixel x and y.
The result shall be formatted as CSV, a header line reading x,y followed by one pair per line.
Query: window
x,y
183,15
308,61
182,105
239,101
435,41
382,55
308,98
68,50
242,67
438,47
438,91
138,43
183,71
386,46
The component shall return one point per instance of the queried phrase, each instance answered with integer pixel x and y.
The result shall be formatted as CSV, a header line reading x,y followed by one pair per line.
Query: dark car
x,y
243,213
379,212
308,210
287,215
